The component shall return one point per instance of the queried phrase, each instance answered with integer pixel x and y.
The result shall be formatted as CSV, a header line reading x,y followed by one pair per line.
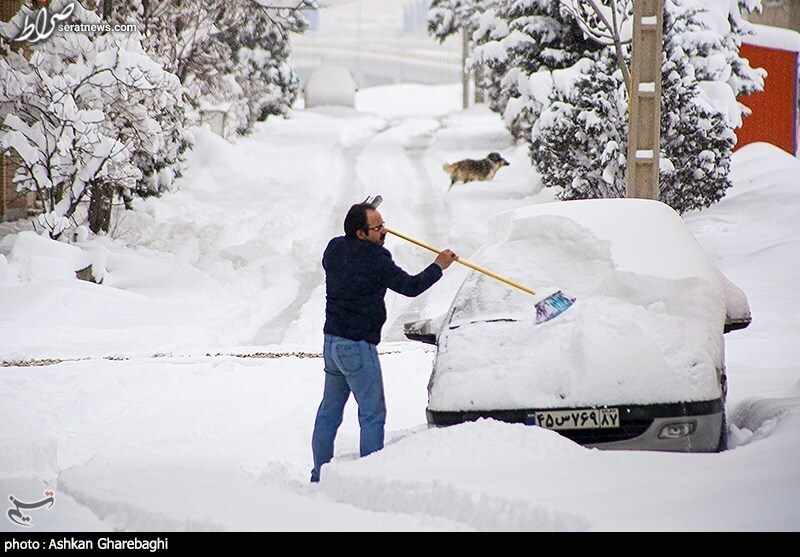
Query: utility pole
x,y
465,75
644,116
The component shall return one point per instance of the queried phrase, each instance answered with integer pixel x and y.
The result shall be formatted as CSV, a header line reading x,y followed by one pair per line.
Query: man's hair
x,y
356,219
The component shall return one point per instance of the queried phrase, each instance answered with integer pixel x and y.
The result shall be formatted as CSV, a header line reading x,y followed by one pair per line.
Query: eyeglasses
x,y
378,228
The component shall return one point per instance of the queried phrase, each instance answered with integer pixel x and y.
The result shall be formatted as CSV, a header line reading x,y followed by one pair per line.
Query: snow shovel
x,y
546,309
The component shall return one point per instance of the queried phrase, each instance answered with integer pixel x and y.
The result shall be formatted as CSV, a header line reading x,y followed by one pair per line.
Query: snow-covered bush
x,y
88,115
449,17
697,130
516,40
578,142
261,65
562,89
225,52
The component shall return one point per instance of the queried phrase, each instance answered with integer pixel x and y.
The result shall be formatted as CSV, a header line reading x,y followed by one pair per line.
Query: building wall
x,y
774,110
8,8
13,205
778,13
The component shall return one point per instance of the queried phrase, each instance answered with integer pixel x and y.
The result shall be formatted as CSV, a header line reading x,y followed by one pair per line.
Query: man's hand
x,y
445,258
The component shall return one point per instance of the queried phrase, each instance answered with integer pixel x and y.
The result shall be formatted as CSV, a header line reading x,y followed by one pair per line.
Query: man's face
x,y
376,232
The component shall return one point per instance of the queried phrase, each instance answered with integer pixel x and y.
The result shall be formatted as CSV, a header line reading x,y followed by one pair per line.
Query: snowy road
x,y
154,419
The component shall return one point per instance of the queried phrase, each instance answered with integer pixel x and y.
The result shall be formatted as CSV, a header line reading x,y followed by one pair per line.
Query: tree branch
x,y
610,31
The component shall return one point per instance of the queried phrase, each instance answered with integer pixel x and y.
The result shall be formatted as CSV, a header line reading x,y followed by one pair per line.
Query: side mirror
x,y
738,308
421,331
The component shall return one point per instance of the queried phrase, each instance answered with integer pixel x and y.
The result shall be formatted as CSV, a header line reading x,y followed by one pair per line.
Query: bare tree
x,y
81,116
206,44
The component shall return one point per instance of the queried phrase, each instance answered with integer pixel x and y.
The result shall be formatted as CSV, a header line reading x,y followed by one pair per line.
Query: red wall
x,y
774,117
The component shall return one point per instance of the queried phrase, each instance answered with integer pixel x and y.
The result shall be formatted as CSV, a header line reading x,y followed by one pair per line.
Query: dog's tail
x,y
449,168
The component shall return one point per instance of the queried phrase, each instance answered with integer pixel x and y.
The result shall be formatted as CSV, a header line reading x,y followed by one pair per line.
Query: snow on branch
x,y
284,4
608,22
603,23
86,111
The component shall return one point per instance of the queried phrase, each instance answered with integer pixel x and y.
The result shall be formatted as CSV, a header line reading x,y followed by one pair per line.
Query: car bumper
x,y
678,427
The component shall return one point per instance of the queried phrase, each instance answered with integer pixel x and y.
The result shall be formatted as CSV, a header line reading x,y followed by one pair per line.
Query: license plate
x,y
585,418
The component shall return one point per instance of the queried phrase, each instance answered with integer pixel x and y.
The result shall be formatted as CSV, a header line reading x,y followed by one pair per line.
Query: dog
x,y
470,170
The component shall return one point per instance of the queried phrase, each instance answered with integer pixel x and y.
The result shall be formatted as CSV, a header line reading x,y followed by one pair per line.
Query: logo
x,y
19,518
44,24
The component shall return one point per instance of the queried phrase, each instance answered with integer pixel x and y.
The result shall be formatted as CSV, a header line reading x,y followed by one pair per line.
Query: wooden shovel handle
x,y
463,262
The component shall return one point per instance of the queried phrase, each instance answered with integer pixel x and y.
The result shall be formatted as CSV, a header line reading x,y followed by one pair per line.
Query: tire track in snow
x,y
350,188
426,200
371,164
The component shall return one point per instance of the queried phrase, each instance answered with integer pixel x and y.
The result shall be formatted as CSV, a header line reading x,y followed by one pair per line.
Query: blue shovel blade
x,y
553,306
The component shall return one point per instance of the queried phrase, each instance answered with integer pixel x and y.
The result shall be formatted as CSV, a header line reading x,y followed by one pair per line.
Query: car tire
x,y
723,430
723,434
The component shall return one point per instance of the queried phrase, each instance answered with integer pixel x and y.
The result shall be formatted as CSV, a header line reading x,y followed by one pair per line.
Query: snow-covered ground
x,y
180,393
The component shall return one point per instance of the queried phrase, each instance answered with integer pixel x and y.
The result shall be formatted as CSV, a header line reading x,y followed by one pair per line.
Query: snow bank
x,y
758,418
753,233
330,86
511,477
28,455
425,474
36,258
200,268
189,496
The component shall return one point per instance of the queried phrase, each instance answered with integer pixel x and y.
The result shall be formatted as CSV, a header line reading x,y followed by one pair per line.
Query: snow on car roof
x,y
647,326
669,250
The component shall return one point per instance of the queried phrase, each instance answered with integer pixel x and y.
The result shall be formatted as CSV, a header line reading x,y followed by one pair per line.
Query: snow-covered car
x,y
638,362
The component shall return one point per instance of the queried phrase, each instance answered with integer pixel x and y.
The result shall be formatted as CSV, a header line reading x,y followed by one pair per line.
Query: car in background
x,y
636,363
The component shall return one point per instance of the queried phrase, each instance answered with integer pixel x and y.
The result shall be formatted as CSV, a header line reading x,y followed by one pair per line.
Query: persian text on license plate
x,y
586,418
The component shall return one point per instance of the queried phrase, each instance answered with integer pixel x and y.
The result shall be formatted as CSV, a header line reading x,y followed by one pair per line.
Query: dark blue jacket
x,y
357,274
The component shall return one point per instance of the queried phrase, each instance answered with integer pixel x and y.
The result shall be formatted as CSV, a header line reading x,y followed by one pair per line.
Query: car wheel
x,y
723,430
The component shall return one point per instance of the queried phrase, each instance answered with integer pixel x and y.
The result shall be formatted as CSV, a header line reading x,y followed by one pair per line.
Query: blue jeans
x,y
350,366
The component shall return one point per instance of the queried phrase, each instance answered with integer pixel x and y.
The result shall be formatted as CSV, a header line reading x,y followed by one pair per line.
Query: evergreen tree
x,y
578,143
515,41
563,91
697,139
260,51
450,17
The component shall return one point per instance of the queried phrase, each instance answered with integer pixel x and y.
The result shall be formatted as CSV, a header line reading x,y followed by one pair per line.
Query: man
x,y
358,270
